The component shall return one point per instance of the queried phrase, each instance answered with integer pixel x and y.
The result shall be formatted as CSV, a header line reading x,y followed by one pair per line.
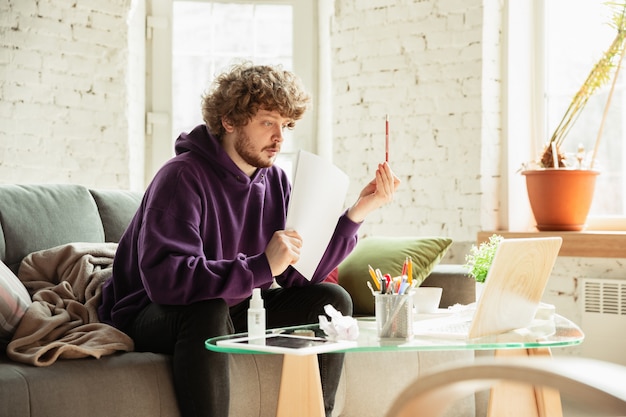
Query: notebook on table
x,y
513,289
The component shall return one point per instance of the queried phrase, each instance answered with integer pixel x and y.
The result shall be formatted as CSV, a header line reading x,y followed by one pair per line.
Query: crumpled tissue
x,y
340,327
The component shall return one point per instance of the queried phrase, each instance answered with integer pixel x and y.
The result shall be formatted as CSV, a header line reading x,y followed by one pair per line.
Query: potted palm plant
x,y
560,189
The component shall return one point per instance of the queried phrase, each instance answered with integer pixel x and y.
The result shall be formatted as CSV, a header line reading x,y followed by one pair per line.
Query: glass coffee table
x,y
301,394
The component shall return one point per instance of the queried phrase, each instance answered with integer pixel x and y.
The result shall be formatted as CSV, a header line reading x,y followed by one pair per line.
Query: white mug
x,y
426,299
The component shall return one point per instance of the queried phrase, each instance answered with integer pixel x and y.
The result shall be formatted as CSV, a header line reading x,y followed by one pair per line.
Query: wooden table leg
x,y
516,399
300,388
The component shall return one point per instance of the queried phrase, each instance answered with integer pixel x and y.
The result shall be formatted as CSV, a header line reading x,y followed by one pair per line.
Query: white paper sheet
x,y
317,200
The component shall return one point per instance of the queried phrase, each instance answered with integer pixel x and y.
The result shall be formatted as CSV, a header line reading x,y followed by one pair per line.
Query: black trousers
x,y
201,377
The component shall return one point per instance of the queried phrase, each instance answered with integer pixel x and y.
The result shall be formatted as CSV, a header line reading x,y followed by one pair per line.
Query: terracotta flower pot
x,y
560,198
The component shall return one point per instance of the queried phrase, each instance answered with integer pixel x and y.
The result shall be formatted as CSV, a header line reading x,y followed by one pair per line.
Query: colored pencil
x,y
387,138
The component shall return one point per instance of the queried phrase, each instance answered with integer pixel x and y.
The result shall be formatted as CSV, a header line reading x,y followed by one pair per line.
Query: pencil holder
x,y
394,315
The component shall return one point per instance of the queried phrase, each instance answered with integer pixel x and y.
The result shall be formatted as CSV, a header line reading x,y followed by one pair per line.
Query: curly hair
x,y
241,92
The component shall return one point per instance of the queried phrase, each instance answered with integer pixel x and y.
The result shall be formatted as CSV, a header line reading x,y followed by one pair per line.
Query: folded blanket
x,y
65,283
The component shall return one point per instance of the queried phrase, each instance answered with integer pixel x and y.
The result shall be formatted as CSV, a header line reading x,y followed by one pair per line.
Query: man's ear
x,y
228,126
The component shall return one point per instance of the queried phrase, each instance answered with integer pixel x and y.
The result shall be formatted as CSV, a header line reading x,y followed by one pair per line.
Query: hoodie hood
x,y
202,143
199,140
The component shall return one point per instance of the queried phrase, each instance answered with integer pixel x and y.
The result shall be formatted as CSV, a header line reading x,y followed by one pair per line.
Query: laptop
x,y
512,294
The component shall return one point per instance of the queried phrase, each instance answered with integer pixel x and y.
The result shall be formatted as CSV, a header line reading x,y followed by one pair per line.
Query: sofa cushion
x,y
14,300
129,384
117,208
388,254
458,286
36,217
371,380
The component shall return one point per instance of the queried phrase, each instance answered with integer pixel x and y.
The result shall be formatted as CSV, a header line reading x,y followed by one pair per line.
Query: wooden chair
x,y
596,385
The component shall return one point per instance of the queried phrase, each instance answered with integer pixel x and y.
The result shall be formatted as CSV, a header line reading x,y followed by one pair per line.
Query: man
x,y
210,228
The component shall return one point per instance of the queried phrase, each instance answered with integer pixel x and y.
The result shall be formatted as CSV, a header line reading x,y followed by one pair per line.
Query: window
x,y
205,38
551,46
208,37
574,41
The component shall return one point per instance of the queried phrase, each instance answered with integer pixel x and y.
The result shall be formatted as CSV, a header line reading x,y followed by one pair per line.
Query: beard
x,y
246,150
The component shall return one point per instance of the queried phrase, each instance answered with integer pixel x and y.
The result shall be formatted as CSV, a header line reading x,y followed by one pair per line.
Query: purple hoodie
x,y
201,231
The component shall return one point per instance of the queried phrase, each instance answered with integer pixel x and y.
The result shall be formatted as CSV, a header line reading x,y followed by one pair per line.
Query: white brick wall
x,y
422,63
434,66
72,99
64,93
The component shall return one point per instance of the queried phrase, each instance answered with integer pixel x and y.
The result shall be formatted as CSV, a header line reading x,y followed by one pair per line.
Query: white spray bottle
x,y
256,316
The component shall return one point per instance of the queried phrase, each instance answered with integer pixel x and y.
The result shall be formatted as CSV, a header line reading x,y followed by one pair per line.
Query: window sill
x,y
581,244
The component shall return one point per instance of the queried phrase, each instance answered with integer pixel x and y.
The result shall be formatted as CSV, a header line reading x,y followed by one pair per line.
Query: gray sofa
x,y
36,217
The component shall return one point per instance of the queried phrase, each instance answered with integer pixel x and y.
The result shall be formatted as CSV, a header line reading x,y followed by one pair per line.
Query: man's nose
x,y
278,136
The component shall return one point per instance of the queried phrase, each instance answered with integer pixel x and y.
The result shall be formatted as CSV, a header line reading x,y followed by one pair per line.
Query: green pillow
x,y
388,254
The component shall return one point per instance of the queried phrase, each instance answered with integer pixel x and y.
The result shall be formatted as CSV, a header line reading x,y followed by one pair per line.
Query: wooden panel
x,y
580,244
300,388
519,399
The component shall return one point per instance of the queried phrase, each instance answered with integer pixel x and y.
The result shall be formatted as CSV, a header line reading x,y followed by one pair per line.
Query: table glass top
x,y
555,332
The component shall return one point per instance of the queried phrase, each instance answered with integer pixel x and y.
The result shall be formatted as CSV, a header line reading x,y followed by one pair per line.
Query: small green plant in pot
x,y
478,261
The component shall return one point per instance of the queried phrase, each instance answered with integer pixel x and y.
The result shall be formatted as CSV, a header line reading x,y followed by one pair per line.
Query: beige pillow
x,y
14,300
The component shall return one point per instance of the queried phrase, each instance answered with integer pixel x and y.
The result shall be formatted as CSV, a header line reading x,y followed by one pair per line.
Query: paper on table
x,y
317,200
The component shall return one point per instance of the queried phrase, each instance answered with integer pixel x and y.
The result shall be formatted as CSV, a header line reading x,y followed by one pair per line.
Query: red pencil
x,y
405,266
387,138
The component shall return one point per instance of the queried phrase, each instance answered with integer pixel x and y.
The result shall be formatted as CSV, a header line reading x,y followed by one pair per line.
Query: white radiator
x,y
604,319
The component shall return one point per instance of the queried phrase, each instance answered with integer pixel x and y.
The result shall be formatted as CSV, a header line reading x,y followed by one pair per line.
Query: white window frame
x,y
519,123
307,58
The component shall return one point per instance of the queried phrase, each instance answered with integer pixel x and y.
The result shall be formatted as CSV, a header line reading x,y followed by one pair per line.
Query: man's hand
x,y
376,193
283,250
